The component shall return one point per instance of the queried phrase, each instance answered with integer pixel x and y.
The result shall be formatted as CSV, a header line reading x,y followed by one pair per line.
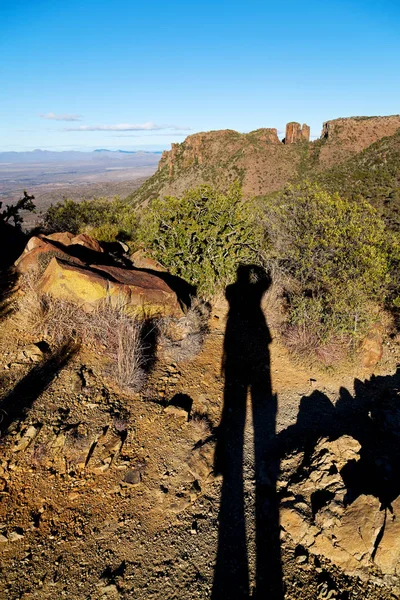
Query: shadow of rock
x,y
15,405
340,477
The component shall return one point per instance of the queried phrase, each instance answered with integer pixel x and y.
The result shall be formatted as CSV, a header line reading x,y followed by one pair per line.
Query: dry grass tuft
x,y
200,427
182,339
306,345
107,328
31,305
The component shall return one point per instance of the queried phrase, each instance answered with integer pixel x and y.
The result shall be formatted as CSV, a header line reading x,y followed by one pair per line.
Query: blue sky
x,y
127,74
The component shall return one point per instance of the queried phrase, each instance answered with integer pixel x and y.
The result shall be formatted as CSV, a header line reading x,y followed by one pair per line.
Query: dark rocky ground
x,y
107,495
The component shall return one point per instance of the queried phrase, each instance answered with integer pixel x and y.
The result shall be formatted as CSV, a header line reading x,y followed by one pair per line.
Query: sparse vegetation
x,y
373,174
105,220
12,212
181,339
108,328
335,256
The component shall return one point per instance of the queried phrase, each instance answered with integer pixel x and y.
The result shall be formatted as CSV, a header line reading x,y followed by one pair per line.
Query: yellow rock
x,y
136,291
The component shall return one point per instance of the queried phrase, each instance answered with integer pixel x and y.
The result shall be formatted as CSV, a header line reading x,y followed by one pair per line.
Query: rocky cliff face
x,y
345,137
259,160
202,148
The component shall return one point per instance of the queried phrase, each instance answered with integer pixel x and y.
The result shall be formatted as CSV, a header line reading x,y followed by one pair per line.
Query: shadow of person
x,y
246,367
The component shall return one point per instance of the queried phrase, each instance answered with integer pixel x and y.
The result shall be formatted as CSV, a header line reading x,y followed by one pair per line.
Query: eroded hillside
x,y
259,160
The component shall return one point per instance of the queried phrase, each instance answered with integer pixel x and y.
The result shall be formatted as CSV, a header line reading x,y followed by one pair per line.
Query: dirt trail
x,y
105,495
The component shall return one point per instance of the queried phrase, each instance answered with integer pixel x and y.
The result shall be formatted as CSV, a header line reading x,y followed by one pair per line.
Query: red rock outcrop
x,y
258,160
296,133
305,132
348,136
205,148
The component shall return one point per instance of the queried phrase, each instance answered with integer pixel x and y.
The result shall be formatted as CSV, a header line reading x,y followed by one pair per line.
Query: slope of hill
x,y
259,160
373,174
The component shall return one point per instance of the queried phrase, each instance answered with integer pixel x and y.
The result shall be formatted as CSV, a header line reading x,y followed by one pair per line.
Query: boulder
x,y
58,244
372,349
34,256
350,529
78,249
142,261
88,242
63,237
76,268
137,291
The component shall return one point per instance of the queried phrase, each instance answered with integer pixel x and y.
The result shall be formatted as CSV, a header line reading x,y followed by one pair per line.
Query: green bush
x,y
336,254
106,220
202,236
13,211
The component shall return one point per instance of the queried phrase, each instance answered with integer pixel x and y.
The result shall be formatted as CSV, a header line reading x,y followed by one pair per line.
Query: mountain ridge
x,y
39,155
258,159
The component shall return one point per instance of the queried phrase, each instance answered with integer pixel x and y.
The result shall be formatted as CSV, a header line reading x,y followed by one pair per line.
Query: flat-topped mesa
x,y
347,136
296,133
207,147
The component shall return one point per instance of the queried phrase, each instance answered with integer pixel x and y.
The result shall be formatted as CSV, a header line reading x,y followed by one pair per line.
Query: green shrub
x,y
106,220
336,254
13,211
202,236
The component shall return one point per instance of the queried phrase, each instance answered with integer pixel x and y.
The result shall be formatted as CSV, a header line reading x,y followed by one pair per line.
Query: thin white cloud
x,y
53,117
148,126
138,135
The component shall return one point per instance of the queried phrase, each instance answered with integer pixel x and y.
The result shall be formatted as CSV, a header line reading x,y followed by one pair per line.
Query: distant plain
x,y
53,176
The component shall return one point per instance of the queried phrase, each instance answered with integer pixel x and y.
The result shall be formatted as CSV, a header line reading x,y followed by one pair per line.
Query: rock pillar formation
x,y
295,133
305,132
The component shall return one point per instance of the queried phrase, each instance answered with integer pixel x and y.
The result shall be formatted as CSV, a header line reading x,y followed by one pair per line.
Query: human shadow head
x,y
248,275
245,295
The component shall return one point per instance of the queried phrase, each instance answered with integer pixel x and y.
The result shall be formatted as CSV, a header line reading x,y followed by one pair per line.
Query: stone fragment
x,y
26,438
326,547
63,237
294,523
141,260
176,411
88,242
372,350
34,242
132,476
31,353
14,536
339,451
